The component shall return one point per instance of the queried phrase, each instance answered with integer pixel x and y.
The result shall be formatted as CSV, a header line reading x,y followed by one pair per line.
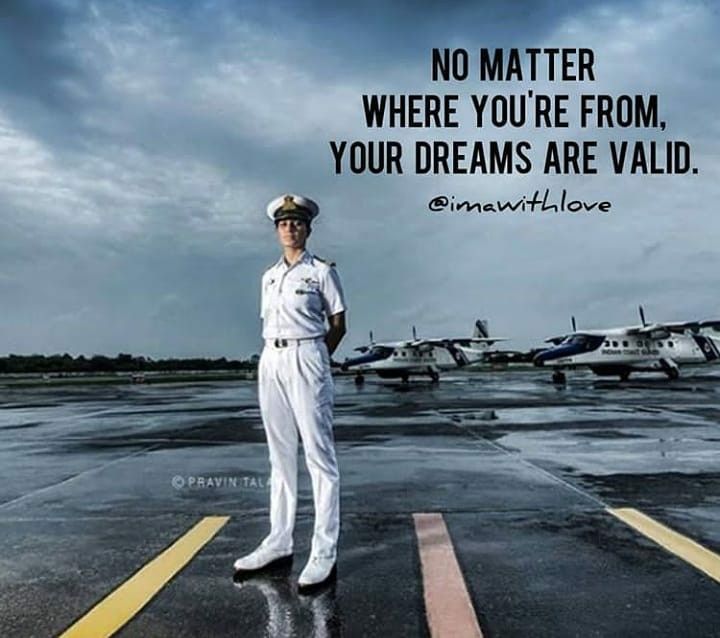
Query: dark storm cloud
x,y
37,61
371,36
141,140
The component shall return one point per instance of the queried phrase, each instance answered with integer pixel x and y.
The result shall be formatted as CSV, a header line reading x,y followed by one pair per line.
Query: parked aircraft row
x,y
401,359
619,351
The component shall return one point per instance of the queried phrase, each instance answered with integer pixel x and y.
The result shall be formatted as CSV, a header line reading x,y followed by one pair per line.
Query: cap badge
x,y
288,203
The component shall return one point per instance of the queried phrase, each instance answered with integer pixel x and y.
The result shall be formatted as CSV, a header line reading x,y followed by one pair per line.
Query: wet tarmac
x,y
96,481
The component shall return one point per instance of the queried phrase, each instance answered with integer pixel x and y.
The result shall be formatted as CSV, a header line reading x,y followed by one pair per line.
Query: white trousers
x,y
296,394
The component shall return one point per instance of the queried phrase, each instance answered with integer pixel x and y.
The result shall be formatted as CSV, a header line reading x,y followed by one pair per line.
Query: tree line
x,y
123,362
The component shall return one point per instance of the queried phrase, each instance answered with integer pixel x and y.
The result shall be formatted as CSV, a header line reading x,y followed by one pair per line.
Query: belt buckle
x,y
281,343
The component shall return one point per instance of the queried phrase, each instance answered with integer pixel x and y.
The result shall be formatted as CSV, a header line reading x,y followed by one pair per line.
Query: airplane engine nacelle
x,y
660,334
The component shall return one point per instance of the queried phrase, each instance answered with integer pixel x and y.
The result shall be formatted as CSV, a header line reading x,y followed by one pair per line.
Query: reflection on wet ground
x,y
98,480
290,613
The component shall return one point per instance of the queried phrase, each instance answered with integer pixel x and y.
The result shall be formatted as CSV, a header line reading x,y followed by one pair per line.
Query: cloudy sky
x,y
140,142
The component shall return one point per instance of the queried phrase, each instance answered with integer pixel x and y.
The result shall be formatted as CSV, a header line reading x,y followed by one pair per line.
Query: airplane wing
x,y
680,326
385,344
460,358
642,331
468,343
677,326
459,341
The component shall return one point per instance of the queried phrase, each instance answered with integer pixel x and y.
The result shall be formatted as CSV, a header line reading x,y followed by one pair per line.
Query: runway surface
x,y
492,502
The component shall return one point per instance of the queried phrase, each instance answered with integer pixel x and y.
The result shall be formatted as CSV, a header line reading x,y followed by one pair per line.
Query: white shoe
x,y
317,571
261,557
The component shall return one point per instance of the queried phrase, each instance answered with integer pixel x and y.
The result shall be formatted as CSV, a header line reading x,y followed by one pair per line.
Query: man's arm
x,y
336,332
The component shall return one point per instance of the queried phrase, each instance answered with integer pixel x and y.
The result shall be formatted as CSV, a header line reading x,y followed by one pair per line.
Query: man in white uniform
x,y
299,293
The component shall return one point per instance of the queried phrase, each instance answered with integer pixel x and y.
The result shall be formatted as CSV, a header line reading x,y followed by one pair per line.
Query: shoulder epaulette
x,y
325,261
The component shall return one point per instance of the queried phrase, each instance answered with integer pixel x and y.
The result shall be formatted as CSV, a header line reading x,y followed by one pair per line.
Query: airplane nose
x,y
558,352
550,354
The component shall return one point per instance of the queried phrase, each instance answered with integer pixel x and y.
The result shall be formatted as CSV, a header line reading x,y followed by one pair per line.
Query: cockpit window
x,y
584,342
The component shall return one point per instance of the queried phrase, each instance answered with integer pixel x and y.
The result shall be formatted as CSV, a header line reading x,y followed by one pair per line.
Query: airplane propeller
x,y
574,325
642,315
414,334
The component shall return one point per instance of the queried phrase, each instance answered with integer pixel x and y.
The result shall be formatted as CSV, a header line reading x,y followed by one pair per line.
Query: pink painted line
x,y
448,607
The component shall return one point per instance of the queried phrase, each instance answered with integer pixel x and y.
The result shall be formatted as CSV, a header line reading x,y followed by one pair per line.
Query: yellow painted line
x,y
116,609
448,606
691,552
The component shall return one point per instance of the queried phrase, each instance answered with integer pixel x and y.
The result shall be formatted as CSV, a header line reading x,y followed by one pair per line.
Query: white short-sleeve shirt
x,y
297,299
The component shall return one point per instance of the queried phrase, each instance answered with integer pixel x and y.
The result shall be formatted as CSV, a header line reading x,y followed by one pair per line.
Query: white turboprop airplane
x,y
654,347
401,359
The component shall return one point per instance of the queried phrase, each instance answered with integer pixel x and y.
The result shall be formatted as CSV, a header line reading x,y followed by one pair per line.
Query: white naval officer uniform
x,y
296,394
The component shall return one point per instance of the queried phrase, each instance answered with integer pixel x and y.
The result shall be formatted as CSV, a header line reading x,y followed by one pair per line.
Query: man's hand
x,y
336,332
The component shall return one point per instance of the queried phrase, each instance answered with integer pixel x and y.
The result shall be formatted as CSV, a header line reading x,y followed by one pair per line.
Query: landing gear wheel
x,y
624,376
359,379
673,373
434,377
558,378
405,378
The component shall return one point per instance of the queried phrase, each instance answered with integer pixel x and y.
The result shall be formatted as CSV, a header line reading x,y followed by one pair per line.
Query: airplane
x,y
401,359
649,347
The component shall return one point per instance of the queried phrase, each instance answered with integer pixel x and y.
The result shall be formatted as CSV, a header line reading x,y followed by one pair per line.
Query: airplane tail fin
x,y
481,329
